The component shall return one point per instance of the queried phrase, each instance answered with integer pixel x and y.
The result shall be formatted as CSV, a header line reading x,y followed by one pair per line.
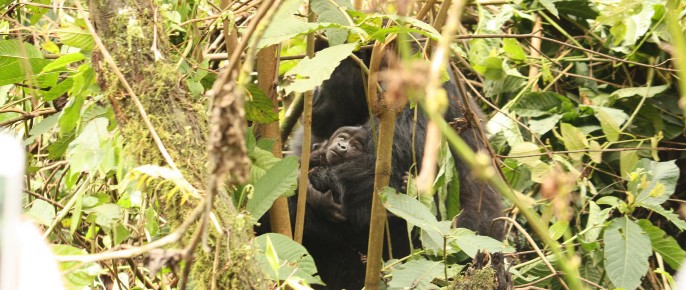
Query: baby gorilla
x,y
343,145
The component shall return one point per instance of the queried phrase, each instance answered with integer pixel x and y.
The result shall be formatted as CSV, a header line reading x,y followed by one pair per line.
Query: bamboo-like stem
x,y
307,141
378,217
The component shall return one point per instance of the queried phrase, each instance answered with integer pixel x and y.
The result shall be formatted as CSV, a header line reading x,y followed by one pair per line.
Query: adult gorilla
x,y
339,247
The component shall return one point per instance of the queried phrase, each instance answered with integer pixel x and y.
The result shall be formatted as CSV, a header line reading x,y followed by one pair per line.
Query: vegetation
x,y
117,103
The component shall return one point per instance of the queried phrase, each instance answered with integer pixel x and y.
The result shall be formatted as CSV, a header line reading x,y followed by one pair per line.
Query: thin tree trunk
x,y
279,217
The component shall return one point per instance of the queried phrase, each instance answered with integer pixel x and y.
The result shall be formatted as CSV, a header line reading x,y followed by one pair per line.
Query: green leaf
x,y
106,215
85,153
668,214
583,9
596,152
259,107
574,139
21,61
63,61
151,225
538,104
42,127
663,177
292,258
513,49
472,244
491,68
277,181
285,25
71,114
524,149
544,125
595,221
76,36
627,248
558,229
261,161
411,210
311,72
59,89
76,275
120,233
627,162
646,92
42,212
664,244
610,120
550,6
334,11
418,273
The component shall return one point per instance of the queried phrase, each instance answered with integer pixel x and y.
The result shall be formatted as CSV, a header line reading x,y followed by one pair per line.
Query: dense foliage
x,y
583,112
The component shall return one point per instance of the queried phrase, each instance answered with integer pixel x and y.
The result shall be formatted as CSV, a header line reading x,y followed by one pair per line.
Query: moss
x,y
477,279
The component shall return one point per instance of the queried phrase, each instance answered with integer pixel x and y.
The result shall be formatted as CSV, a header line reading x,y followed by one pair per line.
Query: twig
x,y
533,245
531,35
24,115
136,251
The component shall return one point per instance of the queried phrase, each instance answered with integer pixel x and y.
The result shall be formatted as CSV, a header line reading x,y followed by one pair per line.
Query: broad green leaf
x,y
544,125
59,89
76,275
71,114
558,229
524,149
550,6
259,107
583,9
42,127
85,153
594,223
42,212
334,11
418,273
20,61
610,120
647,92
472,244
261,161
285,25
491,68
595,152
662,178
280,179
435,240
513,49
311,72
664,244
537,104
574,139
627,162
501,122
668,214
120,233
627,248
292,258
106,215
151,225
76,36
411,210
63,61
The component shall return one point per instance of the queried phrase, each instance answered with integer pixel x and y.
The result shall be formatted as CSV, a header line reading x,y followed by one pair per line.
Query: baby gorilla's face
x,y
346,143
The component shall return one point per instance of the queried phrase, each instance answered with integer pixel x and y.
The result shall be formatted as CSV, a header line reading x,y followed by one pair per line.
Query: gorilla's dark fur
x,y
338,247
